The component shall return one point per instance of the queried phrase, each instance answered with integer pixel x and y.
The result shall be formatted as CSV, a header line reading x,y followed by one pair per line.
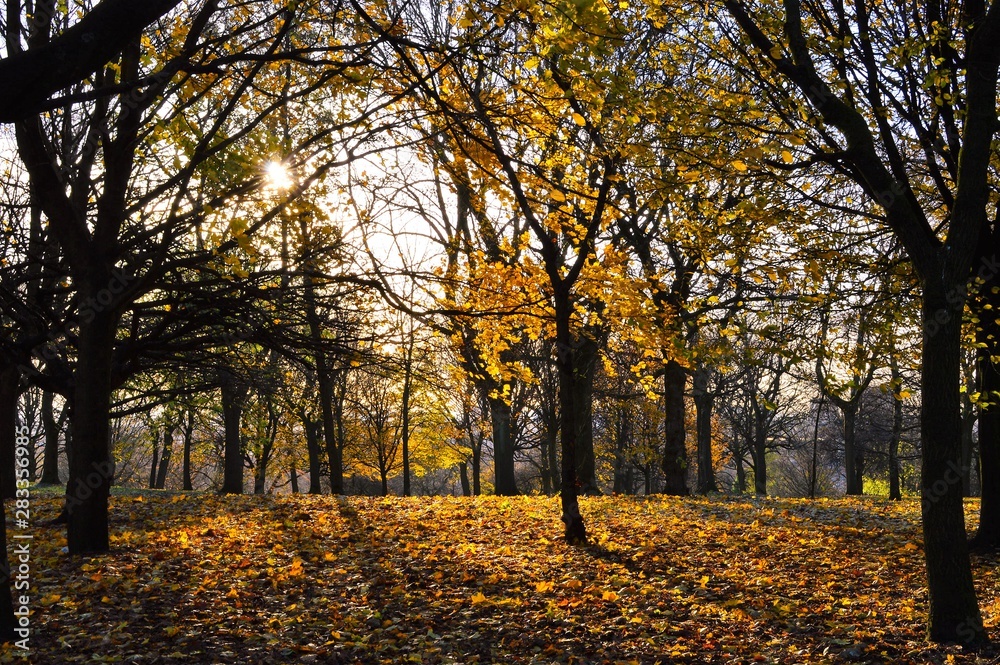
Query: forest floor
x,y
199,578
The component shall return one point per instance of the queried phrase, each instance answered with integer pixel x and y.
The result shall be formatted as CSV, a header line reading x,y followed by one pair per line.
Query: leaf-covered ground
x,y
207,579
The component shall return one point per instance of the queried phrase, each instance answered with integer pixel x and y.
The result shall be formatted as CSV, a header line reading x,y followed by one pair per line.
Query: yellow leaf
x,y
478,598
609,596
579,119
740,166
542,587
171,630
786,156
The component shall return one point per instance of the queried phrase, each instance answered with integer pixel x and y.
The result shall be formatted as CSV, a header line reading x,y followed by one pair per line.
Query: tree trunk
x,y
232,413
741,475
405,415
477,468
324,379
623,435
760,463
954,611
8,622
674,435
988,534
91,467
463,474
156,459
188,437
503,447
853,469
552,434
10,391
575,532
50,463
312,447
704,400
585,357
168,447
293,477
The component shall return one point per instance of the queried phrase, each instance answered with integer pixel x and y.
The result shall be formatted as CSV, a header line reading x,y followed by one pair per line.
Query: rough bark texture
x,y
988,534
463,474
188,441
585,357
50,463
311,428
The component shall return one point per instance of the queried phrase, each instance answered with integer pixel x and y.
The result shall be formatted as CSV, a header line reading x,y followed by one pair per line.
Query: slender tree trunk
x,y
741,475
954,611
91,467
50,463
293,476
704,400
760,463
813,465
552,435
576,532
463,474
585,357
623,436
10,391
851,454
168,447
503,447
405,415
188,440
477,468
232,413
156,459
311,428
674,434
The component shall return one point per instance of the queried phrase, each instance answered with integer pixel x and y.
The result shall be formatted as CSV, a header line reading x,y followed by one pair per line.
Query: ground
x,y
197,578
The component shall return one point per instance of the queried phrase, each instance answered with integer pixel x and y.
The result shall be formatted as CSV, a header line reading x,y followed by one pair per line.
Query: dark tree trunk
x,y
704,400
741,475
50,463
954,611
575,531
325,381
156,459
552,435
10,391
188,440
232,413
988,534
503,447
168,448
623,436
585,357
463,474
854,465
311,428
674,435
477,469
293,476
91,467
405,415
760,463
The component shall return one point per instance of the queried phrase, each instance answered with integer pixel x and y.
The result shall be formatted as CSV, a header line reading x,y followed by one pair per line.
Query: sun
x,y
278,176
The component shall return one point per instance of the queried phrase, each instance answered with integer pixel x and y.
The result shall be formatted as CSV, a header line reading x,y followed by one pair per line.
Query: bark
x,y
988,534
760,463
405,433
91,467
463,474
897,434
188,440
954,612
704,401
311,428
675,445
168,448
10,391
854,462
503,447
293,476
50,463
156,459
741,475
623,436
585,357
477,469
232,413
575,531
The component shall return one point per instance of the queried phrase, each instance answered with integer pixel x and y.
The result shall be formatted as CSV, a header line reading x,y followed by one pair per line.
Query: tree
x,y
850,88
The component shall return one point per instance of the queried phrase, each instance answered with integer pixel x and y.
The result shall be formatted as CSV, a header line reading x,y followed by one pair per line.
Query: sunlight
x,y
278,176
